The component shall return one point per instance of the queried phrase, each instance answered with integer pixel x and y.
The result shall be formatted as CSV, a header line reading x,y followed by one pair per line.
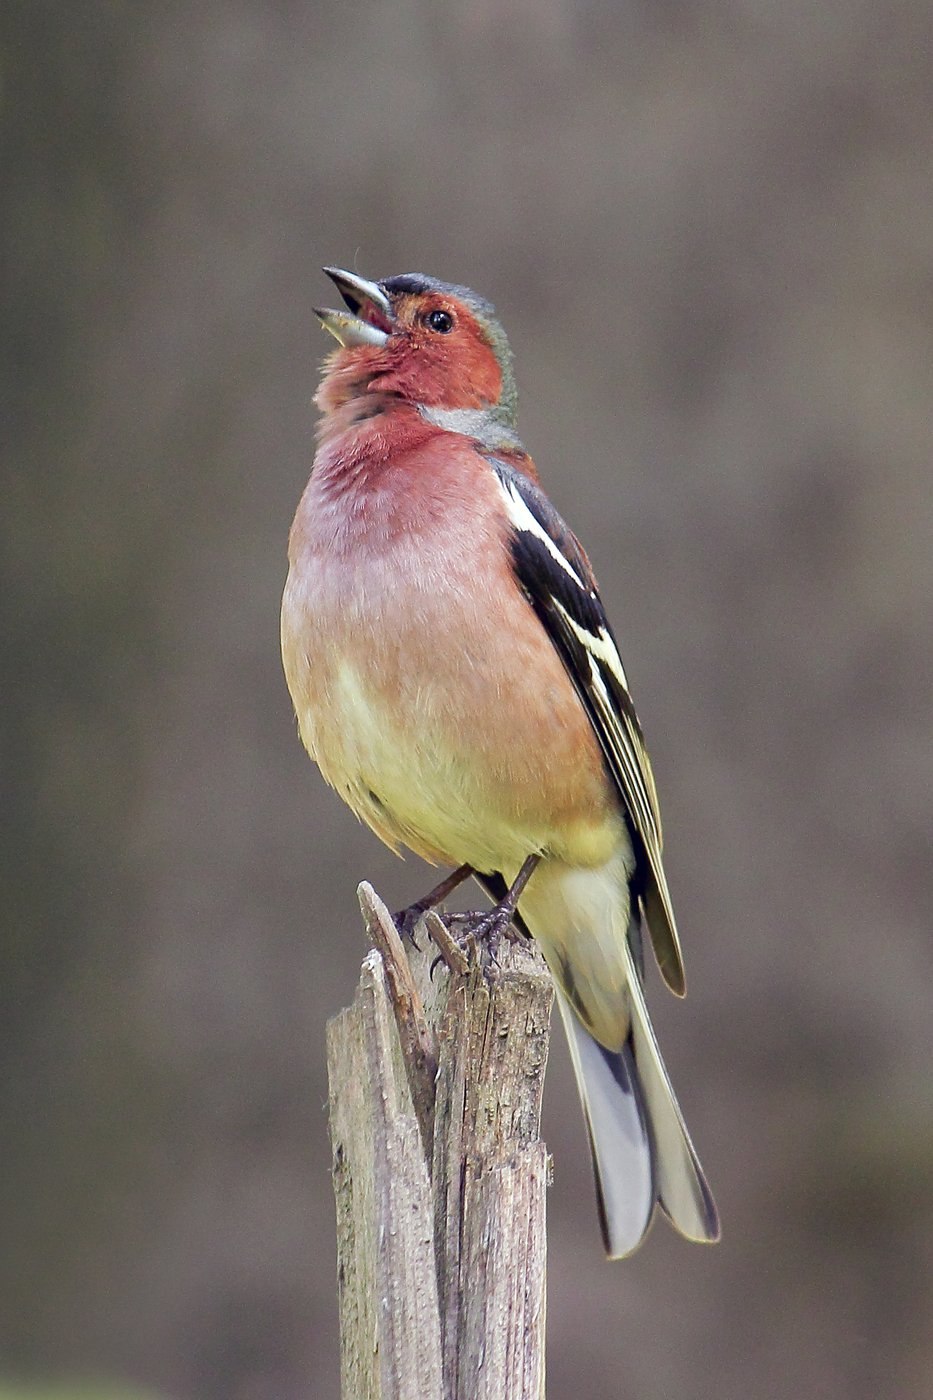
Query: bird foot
x,y
463,938
486,932
407,921
489,929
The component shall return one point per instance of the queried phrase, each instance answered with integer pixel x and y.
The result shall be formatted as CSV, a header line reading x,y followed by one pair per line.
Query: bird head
x,y
434,345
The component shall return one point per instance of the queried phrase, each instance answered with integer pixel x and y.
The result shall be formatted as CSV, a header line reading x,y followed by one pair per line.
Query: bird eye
x,y
440,321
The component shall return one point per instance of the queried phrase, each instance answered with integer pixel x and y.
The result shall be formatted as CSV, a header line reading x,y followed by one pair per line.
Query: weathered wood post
x,y
439,1170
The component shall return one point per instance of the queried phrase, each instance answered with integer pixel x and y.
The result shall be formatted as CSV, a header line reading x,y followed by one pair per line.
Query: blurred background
x,y
708,230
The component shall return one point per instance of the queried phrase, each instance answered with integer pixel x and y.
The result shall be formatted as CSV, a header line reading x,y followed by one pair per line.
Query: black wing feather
x,y
557,579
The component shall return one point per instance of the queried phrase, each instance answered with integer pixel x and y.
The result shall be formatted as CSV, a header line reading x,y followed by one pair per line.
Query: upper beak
x,y
371,319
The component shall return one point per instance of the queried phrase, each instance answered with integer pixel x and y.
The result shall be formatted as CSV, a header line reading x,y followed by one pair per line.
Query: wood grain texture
x,y
440,1174
387,1290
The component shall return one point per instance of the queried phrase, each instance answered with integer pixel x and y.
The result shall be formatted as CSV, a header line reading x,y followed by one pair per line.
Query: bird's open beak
x,y
370,321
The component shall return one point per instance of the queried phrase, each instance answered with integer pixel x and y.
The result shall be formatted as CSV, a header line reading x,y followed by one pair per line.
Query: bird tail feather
x,y
642,1153
620,1138
682,1189
641,1149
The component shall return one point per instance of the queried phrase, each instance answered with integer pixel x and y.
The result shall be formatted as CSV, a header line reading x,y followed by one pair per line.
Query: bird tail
x,y
624,1160
642,1153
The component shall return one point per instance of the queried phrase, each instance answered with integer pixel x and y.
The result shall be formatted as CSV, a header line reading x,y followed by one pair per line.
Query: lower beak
x,y
370,319
350,330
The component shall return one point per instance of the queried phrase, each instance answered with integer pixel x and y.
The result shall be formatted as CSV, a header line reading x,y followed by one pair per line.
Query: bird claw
x,y
459,937
486,932
407,921
492,929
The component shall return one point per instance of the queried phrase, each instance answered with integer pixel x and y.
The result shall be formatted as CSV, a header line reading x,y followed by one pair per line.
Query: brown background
x,y
708,230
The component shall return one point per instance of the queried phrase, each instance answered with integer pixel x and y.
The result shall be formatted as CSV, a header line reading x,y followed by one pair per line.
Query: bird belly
x,y
417,706
403,777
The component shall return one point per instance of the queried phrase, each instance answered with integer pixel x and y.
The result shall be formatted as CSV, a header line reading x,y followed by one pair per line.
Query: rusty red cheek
x,y
456,371
482,370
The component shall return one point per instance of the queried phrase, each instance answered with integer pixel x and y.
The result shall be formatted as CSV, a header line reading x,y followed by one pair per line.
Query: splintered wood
x,y
439,1170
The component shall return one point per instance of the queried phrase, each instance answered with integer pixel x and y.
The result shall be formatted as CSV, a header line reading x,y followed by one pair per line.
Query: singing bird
x,y
456,680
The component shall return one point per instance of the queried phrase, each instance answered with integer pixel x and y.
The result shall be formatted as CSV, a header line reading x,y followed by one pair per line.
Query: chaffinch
x,y
457,681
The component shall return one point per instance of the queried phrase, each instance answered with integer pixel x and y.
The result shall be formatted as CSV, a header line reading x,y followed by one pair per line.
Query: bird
x,y
457,681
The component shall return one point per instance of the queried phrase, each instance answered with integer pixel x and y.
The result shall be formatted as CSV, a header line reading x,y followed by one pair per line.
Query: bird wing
x,y
555,576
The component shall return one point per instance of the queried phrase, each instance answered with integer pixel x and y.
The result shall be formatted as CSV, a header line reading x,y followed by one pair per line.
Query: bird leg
x,y
498,922
407,919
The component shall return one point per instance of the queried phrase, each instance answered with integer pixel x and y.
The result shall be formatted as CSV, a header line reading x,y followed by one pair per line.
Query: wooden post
x,y
439,1170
